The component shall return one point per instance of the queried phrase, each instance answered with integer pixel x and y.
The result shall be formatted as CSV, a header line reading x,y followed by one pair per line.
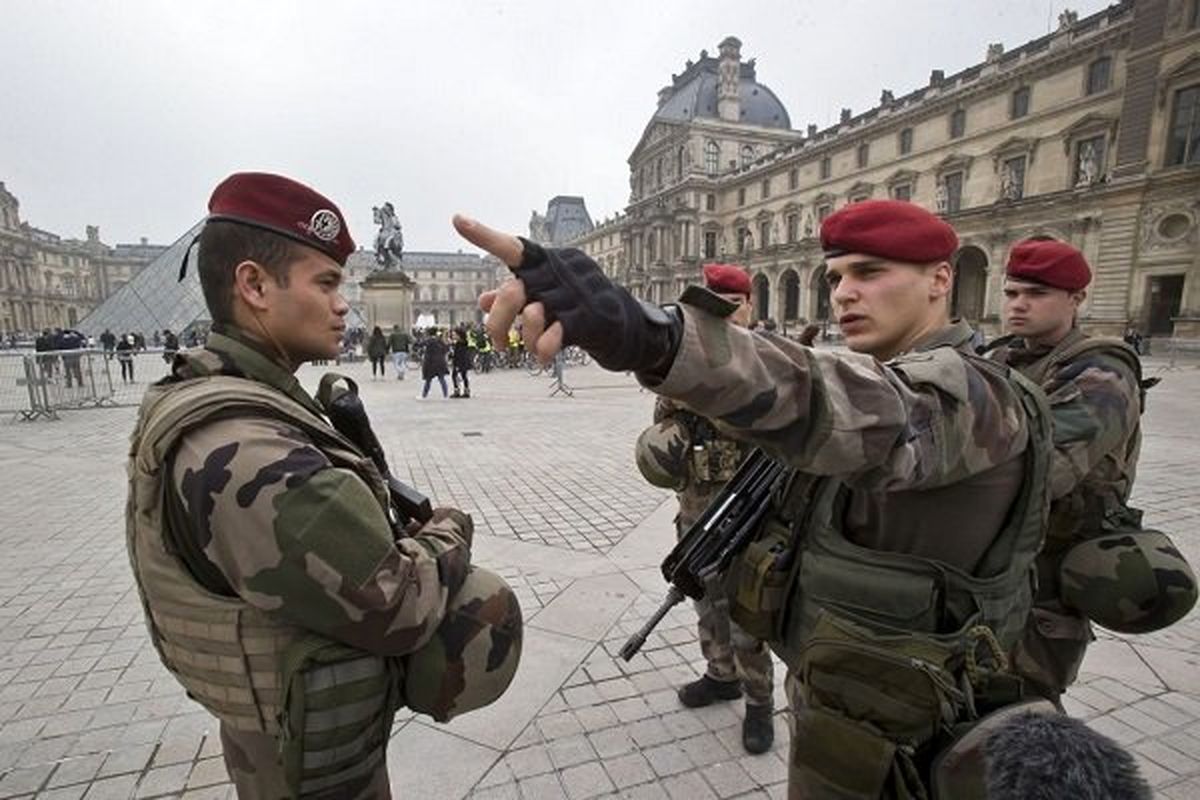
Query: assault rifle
x,y
721,532
348,415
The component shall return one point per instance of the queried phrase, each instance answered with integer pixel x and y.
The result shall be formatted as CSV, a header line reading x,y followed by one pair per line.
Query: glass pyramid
x,y
155,299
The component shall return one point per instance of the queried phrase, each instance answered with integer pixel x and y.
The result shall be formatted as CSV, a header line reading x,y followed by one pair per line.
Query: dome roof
x,y
694,95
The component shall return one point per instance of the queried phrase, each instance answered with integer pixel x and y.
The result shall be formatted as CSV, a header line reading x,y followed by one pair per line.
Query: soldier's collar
x,y
249,357
957,335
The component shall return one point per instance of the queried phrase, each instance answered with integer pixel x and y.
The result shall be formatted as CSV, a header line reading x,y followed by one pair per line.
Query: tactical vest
x,y
1052,649
894,655
330,705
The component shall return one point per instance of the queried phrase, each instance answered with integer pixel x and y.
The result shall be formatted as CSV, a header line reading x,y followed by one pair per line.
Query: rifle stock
x,y
348,415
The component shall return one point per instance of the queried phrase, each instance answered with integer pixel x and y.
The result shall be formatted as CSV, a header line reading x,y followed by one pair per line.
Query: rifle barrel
x,y
634,643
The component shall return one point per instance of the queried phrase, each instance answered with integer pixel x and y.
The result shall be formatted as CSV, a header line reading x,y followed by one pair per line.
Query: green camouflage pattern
x,y
474,654
662,452
730,653
306,546
1134,581
296,537
846,414
1093,387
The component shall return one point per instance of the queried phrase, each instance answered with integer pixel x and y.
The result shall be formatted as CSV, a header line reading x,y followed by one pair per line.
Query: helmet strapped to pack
x,y
1129,581
662,452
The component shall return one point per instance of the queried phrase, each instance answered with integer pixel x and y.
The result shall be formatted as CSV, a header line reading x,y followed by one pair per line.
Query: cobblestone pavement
x,y
87,711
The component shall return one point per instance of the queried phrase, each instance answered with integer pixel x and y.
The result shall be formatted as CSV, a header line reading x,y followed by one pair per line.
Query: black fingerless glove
x,y
621,332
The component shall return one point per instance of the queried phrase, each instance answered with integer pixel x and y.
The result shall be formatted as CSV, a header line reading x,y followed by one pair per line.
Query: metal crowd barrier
x,y
39,385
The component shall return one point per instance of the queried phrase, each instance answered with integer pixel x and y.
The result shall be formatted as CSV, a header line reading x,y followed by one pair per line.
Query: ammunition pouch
x,y
1051,648
757,582
337,710
715,461
876,705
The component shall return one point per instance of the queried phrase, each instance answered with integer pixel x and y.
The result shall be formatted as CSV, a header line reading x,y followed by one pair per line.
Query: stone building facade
x,y
1090,134
50,282
448,285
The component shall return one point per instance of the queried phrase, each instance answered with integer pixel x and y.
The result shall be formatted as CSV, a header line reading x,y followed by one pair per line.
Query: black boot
x,y
707,691
758,733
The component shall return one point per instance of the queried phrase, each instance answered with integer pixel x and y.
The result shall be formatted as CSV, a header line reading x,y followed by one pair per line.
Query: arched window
x,y
679,163
712,157
747,155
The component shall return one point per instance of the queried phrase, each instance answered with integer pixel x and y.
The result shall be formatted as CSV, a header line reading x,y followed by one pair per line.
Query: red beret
x,y
891,229
726,279
1049,262
283,206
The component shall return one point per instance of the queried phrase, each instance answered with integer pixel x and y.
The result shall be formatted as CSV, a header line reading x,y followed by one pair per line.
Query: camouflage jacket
x,y
1095,405
720,453
292,535
930,444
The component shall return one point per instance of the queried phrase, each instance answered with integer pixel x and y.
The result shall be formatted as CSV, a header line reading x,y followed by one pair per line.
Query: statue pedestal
x,y
387,299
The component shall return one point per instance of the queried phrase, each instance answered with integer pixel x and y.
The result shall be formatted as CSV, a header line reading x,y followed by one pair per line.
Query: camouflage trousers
x,y
731,653
252,760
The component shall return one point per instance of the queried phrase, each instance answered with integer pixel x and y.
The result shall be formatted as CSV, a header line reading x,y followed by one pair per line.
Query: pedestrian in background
x,y
377,349
398,343
124,351
433,362
461,360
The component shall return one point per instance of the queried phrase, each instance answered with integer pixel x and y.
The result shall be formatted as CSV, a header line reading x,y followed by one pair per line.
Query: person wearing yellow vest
x,y
279,587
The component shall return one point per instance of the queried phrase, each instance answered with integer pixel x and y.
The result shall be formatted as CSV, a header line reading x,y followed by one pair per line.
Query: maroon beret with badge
x,y
284,206
1049,262
727,279
891,229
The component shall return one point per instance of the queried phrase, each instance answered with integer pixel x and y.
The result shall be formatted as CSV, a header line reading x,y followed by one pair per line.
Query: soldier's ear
x,y
249,284
941,280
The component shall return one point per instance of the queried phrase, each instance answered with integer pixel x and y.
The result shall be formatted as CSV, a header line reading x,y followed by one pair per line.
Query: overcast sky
x,y
126,114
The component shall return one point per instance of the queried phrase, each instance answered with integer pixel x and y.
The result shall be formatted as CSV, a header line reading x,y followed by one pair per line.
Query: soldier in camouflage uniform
x,y
907,538
277,585
1095,395
737,662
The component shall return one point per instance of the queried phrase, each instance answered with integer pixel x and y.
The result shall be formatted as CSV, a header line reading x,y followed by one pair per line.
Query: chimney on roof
x,y
845,116
729,68
994,51
812,131
886,98
144,241
937,77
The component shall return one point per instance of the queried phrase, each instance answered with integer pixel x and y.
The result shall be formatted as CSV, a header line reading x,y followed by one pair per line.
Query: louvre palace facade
x,y
1090,134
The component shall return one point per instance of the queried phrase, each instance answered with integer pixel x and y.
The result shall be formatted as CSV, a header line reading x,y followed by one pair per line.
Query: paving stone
x,y
24,780
529,761
119,787
542,787
164,780
612,742
668,759
649,732
728,779
690,786
570,751
77,770
628,770
585,781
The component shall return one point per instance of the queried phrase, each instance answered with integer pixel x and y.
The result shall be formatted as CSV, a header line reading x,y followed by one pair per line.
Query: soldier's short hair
x,y
224,245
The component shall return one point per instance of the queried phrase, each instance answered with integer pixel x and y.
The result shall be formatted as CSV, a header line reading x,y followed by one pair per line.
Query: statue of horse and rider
x,y
389,242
